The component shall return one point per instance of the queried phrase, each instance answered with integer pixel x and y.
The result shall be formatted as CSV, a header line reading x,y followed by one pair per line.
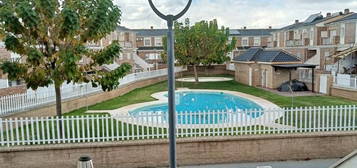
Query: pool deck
x,y
123,112
161,98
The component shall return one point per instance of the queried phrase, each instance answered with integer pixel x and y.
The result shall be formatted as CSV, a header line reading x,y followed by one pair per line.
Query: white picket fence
x,y
95,128
19,102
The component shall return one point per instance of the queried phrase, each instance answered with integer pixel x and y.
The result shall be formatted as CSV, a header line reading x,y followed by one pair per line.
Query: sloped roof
x,y
350,17
150,32
313,18
236,32
248,55
251,32
123,28
261,55
318,18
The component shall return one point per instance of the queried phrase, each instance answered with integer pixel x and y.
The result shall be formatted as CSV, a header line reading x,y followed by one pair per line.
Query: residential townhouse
x,y
150,46
305,39
246,39
6,55
326,41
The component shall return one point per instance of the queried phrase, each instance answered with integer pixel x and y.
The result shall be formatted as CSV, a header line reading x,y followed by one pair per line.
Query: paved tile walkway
x,y
286,164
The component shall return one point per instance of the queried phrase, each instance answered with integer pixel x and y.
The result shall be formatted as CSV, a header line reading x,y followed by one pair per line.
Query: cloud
x,y
231,13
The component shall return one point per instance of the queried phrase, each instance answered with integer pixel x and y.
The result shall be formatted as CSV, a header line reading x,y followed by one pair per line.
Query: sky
x,y
230,13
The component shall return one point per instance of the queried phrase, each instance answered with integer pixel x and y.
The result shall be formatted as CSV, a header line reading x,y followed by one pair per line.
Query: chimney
x,y
296,21
270,27
244,27
152,27
328,14
347,11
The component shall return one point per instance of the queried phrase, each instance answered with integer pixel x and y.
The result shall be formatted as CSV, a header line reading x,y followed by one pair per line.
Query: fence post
x,y
1,132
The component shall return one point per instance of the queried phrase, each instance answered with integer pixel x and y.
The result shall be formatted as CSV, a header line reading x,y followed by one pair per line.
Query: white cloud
x,y
231,13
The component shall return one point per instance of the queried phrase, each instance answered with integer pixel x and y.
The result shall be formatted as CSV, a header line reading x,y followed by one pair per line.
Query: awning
x,y
345,52
294,66
291,67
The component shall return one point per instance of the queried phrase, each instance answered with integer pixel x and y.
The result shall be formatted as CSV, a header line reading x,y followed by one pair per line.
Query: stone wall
x,y
154,153
77,103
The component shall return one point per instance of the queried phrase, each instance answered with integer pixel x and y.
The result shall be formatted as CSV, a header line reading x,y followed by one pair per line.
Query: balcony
x,y
128,45
293,43
326,41
298,43
290,43
330,40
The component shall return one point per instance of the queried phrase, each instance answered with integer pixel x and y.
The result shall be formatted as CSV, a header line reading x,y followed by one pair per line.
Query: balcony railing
x,y
346,81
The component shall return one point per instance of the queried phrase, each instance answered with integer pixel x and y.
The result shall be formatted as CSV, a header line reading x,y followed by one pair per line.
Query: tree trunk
x,y
58,100
59,107
196,74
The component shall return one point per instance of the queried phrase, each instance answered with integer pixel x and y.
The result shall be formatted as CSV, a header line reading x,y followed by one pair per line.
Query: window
x,y
158,41
333,33
127,36
327,54
343,31
257,41
121,36
147,41
324,34
297,34
245,41
305,34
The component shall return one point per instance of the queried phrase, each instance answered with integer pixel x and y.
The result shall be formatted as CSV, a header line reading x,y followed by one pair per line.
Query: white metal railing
x,y
345,81
305,75
4,83
231,67
141,62
95,128
32,99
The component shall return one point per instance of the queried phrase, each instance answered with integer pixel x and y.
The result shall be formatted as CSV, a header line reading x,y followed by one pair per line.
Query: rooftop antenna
x,y
171,77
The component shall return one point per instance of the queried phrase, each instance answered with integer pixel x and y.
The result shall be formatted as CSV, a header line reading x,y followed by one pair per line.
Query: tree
x,y
201,44
51,36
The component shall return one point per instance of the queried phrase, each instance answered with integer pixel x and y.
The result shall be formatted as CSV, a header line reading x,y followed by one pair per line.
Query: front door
x,y
323,84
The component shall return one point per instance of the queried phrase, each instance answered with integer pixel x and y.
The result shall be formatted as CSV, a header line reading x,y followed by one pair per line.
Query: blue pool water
x,y
196,103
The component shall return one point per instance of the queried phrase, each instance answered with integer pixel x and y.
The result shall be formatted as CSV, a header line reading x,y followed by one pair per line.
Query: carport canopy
x,y
295,67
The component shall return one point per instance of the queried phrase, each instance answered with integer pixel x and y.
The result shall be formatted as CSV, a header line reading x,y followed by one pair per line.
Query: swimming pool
x,y
197,107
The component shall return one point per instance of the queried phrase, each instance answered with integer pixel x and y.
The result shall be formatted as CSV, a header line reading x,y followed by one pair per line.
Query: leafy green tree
x,y
52,36
201,44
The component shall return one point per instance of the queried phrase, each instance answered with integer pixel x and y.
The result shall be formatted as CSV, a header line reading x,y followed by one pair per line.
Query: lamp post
x,y
171,77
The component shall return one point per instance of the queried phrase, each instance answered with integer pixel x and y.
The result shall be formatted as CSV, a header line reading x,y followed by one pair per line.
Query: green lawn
x,y
144,95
